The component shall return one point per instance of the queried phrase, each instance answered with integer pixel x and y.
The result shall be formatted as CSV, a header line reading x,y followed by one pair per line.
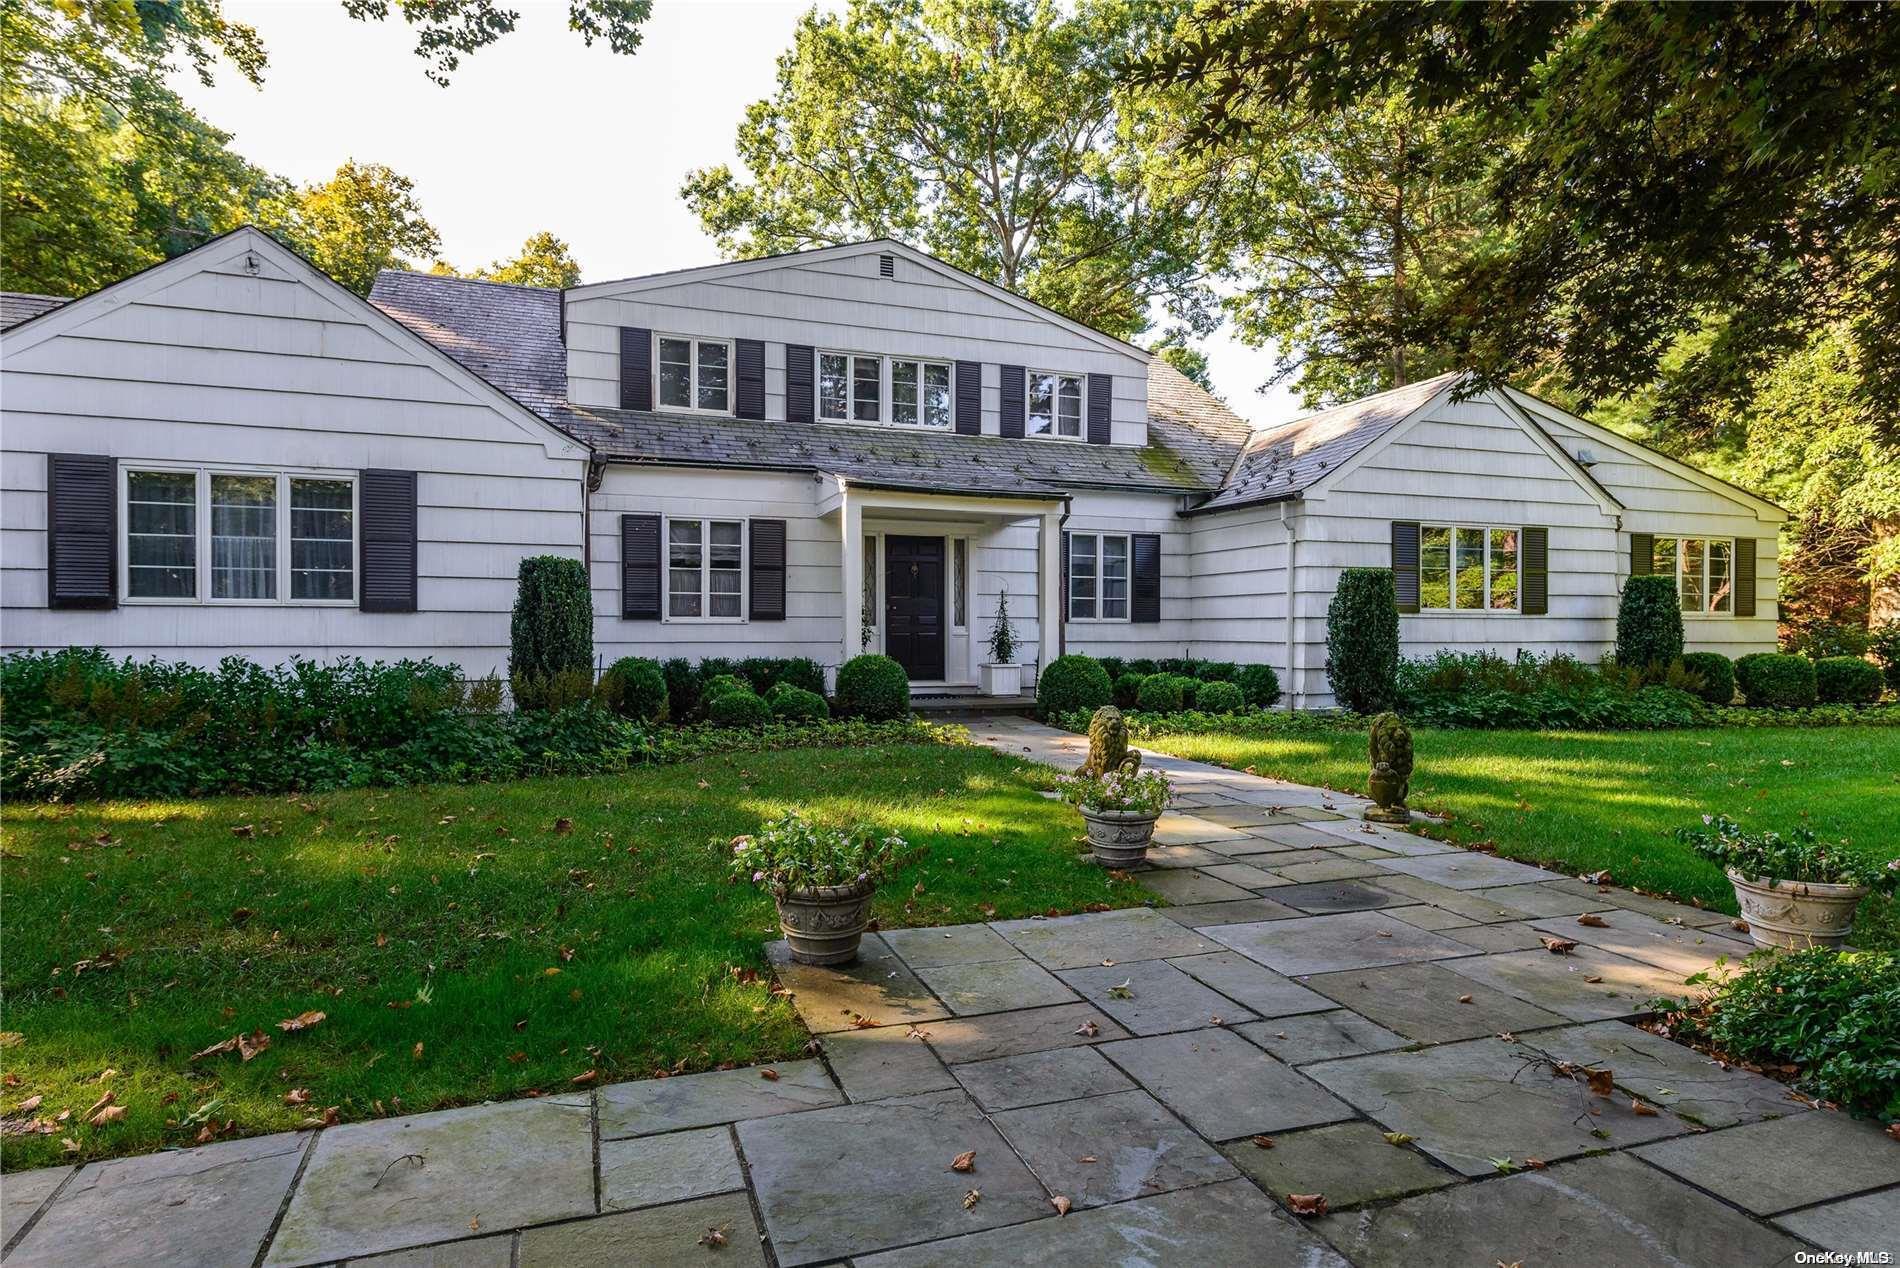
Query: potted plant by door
x,y
1002,676
1120,807
1794,889
823,880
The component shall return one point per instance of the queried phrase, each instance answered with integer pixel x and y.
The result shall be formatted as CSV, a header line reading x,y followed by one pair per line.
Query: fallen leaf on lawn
x,y
1307,1203
1642,1110
297,1096
563,826
1559,946
223,1045
1398,1138
302,1021
1601,1082
416,1053
1464,999
1088,1029
965,1161
714,1237
71,1146
250,1045
769,1075
1263,1142
110,1114
1590,920
30,1104
243,830
1061,1204
586,1077
971,1198
11,1038
100,1104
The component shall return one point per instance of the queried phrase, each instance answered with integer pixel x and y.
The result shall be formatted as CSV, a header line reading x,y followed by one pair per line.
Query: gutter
x,y
1288,525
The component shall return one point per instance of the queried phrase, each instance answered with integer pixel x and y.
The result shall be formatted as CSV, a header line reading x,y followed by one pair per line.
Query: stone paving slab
x,y
1592,1213
1421,916
650,1170
1469,1103
1321,1036
879,986
1227,1225
1660,908
855,1179
995,987
1110,1148
1030,1030
1240,911
1179,829
661,1237
1672,947
1347,1163
1224,1086
1257,987
1322,944
1190,885
472,1252
1668,1074
1152,997
1327,869
1245,875
718,1096
1429,1002
1870,1222
1465,870
1465,903
1775,1166
1171,856
1298,836
1072,942
24,1192
1511,935
211,1206
1319,898
1040,1078
1541,900
958,944
885,1061
362,1191
1243,815
1563,983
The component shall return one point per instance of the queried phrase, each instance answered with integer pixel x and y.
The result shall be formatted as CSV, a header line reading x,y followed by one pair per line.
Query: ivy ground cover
x,y
462,942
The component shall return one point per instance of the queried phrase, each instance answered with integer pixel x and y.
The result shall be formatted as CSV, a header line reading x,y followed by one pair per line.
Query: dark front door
x,y
913,604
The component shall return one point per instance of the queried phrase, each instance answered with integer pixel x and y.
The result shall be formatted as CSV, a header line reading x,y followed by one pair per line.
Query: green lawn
x,y
1589,801
465,942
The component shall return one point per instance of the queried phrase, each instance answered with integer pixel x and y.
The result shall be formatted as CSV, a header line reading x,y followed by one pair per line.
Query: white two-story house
x,y
848,449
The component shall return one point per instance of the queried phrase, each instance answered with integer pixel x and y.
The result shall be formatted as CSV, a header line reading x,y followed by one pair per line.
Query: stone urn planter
x,y
1796,914
1120,838
825,923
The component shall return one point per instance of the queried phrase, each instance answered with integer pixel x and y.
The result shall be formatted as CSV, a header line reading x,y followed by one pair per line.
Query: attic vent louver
x,y
887,265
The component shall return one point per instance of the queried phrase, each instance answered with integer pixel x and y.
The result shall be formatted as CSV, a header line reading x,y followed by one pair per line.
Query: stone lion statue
x,y
1108,744
1391,778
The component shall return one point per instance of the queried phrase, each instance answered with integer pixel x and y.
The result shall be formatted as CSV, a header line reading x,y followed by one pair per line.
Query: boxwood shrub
x,y
1128,690
796,704
1362,640
552,631
635,688
1717,673
1777,681
1846,680
738,707
1160,693
1261,684
1220,697
873,687
1072,682
1648,623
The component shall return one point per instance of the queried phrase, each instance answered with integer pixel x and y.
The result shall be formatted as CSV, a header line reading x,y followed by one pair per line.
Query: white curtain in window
x,y
243,537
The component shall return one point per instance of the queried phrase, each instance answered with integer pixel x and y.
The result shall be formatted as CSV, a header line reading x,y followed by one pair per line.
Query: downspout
x,y
1288,526
1062,600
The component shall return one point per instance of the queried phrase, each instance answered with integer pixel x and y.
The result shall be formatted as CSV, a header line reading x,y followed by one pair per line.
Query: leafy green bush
x,y
1818,715
1215,671
1835,1016
1648,622
552,631
721,685
1261,685
1128,690
1362,640
795,704
1884,642
1717,673
767,672
1846,680
1797,855
637,690
682,688
1482,690
1190,688
1072,682
1159,693
1776,681
790,853
1220,697
1113,666
1828,638
738,707
873,687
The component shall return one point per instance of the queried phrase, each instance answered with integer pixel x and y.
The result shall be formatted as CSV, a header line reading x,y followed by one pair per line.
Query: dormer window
x,y
695,374
1055,404
855,389
920,393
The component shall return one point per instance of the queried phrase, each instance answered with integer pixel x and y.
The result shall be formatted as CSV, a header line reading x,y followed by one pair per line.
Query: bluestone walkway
x,y
1340,1044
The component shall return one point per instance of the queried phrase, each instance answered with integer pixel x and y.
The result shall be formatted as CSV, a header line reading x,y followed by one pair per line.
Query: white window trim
x,y
201,529
1703,613
1068,597
705,570
732,375
1516,609
890,393
887,403
1082,419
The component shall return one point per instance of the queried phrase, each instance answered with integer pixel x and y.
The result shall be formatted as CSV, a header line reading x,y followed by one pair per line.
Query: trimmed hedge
x,y
1482,690
873,687
1128,689
738,707
1261,685
1072,682
551,634
1777,681
1846,680
1717,673
795,704
635,687
1220,697
1362,640
1160,693
1648,623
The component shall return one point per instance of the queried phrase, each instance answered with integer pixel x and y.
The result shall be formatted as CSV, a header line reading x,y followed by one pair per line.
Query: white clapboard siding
x,y
1238,587
197,362
1175,634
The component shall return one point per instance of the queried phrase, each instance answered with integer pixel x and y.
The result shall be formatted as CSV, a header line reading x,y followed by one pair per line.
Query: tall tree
x,y
986,132
359,222
544,260
446,30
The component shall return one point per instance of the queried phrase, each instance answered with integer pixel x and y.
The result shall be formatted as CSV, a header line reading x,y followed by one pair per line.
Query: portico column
x,y
1049,624
852,522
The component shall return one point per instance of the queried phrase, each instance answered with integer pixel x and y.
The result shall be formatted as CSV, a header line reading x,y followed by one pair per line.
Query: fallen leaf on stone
x,y
1535,1164
1741,925
1397,1138
297,1096
1108,964
714,1237
1590,920
769,1075
1086,1158
1263,1142
1893,1130
965,1161
1642,1110
1595,878
971,1198
1464,999
302,1021
1306,1203
1088,1029
1601,1082
110,1114
1503,1165
864,1023
1559,946
1592,977
1061,1204
1385,933
1124,991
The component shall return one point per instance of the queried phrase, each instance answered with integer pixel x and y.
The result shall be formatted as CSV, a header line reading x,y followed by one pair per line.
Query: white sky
x,y
540,132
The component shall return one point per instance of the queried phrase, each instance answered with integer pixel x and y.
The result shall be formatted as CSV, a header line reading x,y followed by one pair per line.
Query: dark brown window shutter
x,y
800,388
1405,564
639,567
1144,605
1533,582
1642,554
969,398
82,522
1744,576
636,367
386,500
1062,578
768,570
1101,392
1014,385
748,363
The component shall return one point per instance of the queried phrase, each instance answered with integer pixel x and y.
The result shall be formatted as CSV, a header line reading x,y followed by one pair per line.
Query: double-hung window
x,y
705,569
1098,577
695,374
199,535
1055,404
1704,569
1467,568
850,388
902,390
920,393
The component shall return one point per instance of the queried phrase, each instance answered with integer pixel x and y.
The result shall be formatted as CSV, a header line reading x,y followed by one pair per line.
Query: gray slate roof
x,y
1281,461
18,306
509,335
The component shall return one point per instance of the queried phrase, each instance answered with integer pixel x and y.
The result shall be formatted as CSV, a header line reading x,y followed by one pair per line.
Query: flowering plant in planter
x,y
1120,807
823,880
1794,889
